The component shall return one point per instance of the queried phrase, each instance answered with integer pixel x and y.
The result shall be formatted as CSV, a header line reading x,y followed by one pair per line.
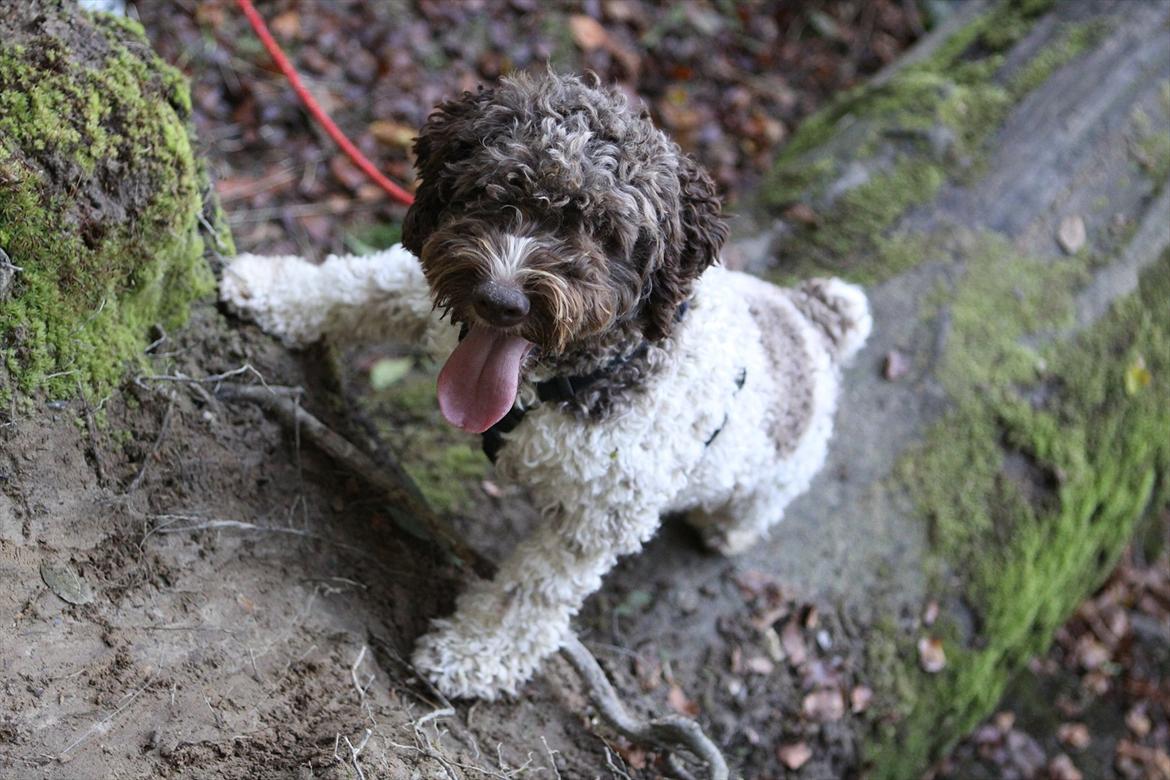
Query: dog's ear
x,y
447,137
689,250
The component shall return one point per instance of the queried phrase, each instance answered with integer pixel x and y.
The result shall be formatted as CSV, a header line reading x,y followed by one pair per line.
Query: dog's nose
x,y
502,305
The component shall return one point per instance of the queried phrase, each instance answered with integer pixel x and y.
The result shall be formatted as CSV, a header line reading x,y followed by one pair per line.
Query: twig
x,y
101,724
162,430
669,733
388,478
91,426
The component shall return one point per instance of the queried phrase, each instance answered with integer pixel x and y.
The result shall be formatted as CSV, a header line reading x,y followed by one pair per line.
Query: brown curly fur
x,y
621,222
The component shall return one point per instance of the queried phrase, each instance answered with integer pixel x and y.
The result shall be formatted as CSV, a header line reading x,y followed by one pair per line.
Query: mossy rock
x,y
100,199
1004,472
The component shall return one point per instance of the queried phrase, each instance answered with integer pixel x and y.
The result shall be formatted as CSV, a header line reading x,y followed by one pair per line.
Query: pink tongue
x,y
477,386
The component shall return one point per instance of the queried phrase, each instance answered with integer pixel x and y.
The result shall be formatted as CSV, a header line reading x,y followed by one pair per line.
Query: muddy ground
x,y
190,591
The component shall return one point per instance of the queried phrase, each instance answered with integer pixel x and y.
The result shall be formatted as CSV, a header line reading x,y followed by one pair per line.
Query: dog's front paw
x,y
280,294
481,666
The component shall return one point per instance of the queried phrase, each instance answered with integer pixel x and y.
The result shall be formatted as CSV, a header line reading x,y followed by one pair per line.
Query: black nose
x,y
499,304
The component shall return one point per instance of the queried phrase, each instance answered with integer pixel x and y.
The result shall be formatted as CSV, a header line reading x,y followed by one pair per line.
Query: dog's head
x,y
552,220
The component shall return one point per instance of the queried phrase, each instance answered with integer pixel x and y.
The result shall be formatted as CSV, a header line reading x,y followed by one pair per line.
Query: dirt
x,y
226,652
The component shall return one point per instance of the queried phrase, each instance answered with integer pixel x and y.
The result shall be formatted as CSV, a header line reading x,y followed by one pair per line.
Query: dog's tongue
x,y
477,386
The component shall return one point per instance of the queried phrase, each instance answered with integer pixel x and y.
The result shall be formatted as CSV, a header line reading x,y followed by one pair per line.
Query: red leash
x,y
286,67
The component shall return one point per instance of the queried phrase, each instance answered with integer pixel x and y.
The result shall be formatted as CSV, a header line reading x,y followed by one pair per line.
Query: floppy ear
x,y
448,136
694,247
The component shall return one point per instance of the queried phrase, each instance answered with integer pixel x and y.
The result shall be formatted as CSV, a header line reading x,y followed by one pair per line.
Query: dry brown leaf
x,y
859,699
897,365
793,643
587,32
794,755
824,706
679,702
1062,768
1137,721
394,134
931,655
287,25
802,213
758,664
1073,735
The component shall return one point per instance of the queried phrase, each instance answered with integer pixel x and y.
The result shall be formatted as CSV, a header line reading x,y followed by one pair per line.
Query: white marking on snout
x,y
505,256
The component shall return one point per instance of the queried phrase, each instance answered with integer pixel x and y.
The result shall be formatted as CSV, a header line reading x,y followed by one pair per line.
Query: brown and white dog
x,y
562,257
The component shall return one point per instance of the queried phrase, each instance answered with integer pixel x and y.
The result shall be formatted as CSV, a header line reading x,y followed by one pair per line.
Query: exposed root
x,y
669,733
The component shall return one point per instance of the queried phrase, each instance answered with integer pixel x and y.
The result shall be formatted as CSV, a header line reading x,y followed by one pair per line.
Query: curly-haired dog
x,y
612,367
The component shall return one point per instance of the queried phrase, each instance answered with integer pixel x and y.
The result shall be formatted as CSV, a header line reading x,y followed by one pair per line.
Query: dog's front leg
x,y
503,629
379,297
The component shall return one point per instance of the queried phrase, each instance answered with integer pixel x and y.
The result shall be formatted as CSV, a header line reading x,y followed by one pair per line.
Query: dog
x,y
562,257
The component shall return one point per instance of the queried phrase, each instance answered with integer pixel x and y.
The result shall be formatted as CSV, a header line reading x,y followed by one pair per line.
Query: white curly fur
x,y
731,430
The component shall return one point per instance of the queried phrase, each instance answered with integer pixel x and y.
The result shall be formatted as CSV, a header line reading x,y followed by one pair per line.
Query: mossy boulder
x,y
1004,471
101,196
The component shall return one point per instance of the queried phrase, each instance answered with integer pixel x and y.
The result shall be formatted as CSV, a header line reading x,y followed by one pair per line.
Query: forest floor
x,y
257,603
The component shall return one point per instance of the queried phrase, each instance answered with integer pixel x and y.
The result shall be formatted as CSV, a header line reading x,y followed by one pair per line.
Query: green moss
x,y
859,221
1071,41
446,465
1033,482
930,123
1150,146
99,203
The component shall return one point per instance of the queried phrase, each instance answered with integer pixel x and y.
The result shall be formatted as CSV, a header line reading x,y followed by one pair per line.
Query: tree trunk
x,y
100,199
1003,194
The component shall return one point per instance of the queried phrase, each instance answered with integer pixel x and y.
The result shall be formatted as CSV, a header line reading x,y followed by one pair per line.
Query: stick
x,y
670,732
388,478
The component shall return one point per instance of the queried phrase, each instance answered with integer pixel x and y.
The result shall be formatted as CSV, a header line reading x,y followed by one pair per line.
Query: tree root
x,y
669,733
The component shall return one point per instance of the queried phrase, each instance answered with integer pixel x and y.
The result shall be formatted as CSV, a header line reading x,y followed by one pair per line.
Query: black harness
x,y
563,389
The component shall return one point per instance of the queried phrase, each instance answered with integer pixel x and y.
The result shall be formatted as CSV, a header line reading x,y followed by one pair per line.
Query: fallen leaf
x,y
1090,653
587,32
758,664
387,372
394,134
930,614
896,366
679,702
1071,234
824,706
346,172
931,656
793,643
794,755
772,645
64,580
633,755
1062,768
1073,735
802,213
1137,721
1137,376
490,489
859,699
287,25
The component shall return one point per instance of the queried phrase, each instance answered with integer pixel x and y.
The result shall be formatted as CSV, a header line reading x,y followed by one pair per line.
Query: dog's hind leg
x,y
734,527
379,297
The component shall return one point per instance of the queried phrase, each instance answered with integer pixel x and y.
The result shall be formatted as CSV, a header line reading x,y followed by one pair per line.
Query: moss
x,y
99,203
1149,145
446,465
861,216
929,123
1071,41
1033,482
